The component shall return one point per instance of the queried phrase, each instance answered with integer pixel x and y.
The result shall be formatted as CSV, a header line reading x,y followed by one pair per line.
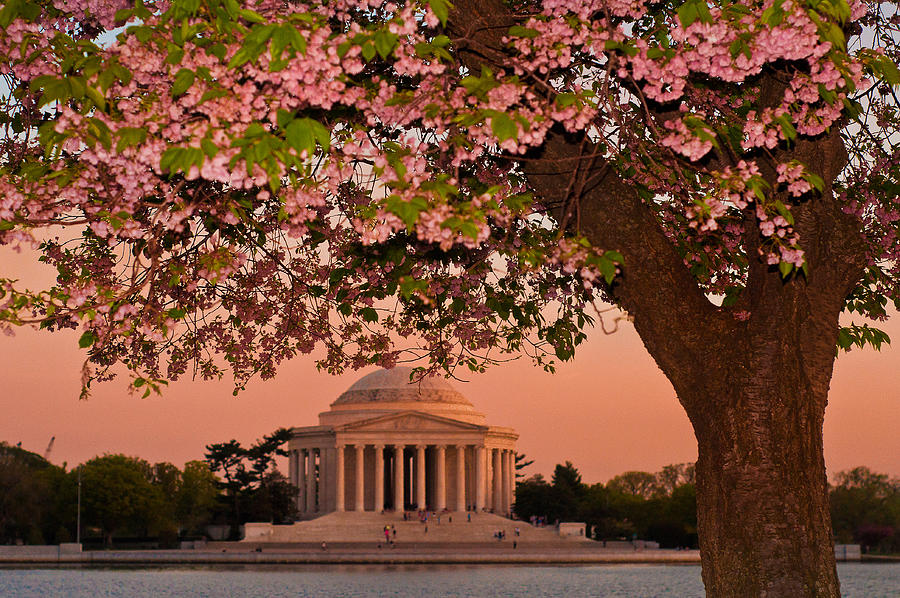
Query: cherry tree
x,y
222,186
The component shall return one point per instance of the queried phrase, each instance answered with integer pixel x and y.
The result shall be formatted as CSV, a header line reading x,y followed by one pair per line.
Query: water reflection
x,y
858,580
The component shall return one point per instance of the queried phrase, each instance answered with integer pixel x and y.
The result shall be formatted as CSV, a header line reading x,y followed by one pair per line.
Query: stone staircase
x,y
368,527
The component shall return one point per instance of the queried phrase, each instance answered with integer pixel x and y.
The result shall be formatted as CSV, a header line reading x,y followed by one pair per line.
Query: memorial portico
x,y
389,445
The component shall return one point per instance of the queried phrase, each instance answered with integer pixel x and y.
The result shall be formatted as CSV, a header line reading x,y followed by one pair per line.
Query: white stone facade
x,y
389,445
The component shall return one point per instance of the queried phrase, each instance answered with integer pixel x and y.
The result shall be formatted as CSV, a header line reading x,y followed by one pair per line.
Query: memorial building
x,y
390,445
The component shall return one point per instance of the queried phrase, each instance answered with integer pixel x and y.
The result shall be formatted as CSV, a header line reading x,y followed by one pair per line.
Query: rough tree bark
x,y
763,516
755,391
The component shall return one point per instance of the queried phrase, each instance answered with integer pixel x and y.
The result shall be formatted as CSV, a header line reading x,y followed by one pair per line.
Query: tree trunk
x,y
763,512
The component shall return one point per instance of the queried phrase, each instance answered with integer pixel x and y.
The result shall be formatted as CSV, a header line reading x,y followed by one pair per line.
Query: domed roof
x,y
394,386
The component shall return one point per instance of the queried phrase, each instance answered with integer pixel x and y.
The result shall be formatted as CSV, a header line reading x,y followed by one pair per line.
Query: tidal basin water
x,y
858,580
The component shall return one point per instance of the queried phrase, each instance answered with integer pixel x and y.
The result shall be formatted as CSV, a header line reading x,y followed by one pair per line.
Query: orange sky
x,y
609,411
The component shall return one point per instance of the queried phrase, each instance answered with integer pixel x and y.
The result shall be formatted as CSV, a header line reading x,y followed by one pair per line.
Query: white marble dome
x,y
385,392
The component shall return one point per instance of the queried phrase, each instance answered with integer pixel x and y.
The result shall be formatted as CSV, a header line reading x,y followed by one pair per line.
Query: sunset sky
x,y
609,411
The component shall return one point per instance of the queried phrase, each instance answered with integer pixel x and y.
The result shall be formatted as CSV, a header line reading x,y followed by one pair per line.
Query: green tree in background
x,y
534,497
865,509
118,497
253,490
228,458
636,483
522,461
196,498
22,490
660,506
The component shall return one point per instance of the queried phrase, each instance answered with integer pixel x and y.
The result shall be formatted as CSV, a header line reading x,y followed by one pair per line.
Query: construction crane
x,y
49,448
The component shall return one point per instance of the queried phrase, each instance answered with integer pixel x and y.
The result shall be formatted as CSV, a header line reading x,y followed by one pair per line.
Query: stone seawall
x,y
409,554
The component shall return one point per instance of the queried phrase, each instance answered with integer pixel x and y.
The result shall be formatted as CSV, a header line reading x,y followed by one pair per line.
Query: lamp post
x,y
78,512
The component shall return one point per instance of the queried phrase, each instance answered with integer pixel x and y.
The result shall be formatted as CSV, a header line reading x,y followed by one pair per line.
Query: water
x,y
858,580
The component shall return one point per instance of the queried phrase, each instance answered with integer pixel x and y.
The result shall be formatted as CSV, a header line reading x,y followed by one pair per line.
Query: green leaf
x,y
385,42
835,35
211,94
774,15
175,55
10,11
607,268
96,97
283,117
217,50
299,135
693,10
252,16
240,57
184,78
564,100
280,40
99,130
181,158
130,136
322,134
889,71
410,285
209,148
784,211
441,9
368,51
815,180
785,268
703,11
519,31
469,229
87,339
844,340
407,211
504,127
687,14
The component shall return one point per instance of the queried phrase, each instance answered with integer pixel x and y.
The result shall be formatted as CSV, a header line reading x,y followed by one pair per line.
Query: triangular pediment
x,y
411,421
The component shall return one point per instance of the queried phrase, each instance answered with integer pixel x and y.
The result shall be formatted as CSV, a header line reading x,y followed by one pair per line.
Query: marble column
x,y
461,477
301,481
480,478
310,480
399,475
496,477
511,479
504,475
360,504
327,486
440,473
379,478
339,479
292,467
420,476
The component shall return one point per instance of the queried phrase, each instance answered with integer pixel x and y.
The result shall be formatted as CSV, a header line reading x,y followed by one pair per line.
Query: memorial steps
x,y
368,528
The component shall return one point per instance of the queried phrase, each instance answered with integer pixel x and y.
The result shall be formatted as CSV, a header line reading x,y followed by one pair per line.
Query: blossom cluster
x,y
258,182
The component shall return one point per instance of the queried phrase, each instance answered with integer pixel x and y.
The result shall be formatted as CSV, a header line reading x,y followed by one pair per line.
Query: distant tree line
x,y
661,506
125,497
